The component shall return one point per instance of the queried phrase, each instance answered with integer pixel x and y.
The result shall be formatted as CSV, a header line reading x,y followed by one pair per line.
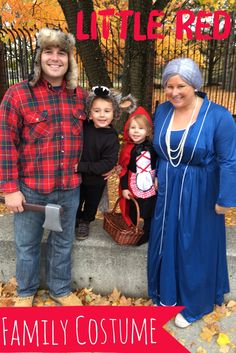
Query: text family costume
x,y
187,247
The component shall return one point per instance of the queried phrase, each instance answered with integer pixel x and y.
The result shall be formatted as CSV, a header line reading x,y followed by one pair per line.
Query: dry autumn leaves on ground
x,y
211,329
214,336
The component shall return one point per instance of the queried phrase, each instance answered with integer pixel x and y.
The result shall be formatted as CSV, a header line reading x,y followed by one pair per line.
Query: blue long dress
x,y
187,248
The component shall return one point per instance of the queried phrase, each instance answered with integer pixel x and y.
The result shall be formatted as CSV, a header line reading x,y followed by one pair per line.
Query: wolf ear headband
x,y
120,104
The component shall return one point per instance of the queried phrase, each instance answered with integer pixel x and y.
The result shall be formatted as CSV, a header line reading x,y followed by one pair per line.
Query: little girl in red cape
x,y
137,176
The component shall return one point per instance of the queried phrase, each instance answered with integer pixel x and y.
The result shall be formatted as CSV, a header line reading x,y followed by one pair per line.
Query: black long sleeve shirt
x,y
100,153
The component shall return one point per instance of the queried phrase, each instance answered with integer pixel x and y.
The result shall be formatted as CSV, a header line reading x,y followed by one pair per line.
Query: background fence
x,y
217,60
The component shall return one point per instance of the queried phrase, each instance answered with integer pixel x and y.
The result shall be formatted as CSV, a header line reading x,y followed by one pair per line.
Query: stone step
x,y
101,264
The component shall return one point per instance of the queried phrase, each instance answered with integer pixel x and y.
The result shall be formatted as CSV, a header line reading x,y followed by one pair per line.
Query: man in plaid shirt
x,y
41,142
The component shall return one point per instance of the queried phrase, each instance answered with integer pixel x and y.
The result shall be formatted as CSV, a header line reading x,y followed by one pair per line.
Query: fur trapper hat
x,y
120,104
47,37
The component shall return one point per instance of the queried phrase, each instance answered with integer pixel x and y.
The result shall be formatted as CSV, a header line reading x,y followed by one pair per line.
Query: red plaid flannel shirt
x,y
41,137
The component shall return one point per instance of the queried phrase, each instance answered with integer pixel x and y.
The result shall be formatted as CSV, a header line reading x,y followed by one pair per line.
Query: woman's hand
x,y
220,209
127,194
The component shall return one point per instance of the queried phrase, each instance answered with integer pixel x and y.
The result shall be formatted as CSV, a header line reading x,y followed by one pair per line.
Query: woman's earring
x,y
195,90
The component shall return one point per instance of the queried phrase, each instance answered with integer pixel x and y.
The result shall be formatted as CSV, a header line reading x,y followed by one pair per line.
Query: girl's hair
x,y
142,120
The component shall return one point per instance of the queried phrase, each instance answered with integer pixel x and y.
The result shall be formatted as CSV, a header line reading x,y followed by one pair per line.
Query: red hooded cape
x,y
124,159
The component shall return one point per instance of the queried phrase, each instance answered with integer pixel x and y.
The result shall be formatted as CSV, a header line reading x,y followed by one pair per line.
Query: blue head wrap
x,y
187,69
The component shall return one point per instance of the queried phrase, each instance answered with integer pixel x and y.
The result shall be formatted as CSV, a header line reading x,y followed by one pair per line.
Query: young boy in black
x,y
100,152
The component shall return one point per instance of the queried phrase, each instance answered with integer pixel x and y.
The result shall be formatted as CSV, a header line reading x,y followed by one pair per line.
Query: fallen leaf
x,y
125,301
201,350
212,317
221,310
102,301
138,302
88,299
147,302
222,339
231,304
96,299
6,302
9,289
114,296
49,302
214,327
207,334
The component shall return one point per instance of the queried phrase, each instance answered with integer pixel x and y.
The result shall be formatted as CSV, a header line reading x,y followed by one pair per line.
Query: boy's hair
x,y
113,96
107,99
142,120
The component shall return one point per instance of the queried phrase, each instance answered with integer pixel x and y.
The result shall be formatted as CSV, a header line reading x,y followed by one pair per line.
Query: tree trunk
x,y
139,58
140,55
89,50
138,72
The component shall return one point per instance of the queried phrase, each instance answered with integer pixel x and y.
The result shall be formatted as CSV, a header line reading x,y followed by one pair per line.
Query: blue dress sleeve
x,y
225,147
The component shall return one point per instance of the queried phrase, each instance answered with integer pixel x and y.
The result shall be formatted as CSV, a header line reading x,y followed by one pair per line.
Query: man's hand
x,y
14,201
220,209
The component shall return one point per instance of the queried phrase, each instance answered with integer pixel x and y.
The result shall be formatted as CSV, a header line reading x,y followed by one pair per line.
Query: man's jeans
x,y
28,235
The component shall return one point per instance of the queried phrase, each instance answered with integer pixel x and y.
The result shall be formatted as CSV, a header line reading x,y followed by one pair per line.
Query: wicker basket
x,y
117,228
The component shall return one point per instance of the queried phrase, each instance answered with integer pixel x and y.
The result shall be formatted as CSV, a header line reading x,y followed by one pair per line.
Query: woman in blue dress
x,y
195,140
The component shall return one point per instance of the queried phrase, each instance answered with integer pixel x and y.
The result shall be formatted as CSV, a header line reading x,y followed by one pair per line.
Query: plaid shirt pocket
x,y
37,125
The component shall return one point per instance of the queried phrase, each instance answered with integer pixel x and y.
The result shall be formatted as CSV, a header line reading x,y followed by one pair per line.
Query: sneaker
x,y
181,322
68,300
82,231
24,301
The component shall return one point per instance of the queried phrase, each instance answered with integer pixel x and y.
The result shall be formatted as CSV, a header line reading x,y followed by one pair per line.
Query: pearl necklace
x,y
180,149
